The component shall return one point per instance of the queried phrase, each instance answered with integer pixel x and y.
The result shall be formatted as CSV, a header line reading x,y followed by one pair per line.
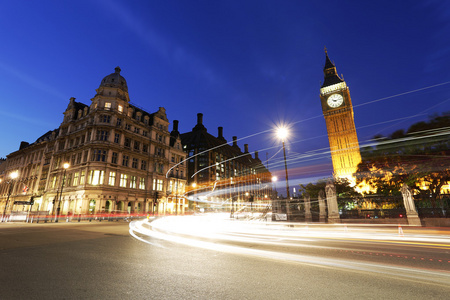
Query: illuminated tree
x,y
344,191
419,158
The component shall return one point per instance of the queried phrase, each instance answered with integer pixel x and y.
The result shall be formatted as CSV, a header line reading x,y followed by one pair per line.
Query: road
x,y
211,258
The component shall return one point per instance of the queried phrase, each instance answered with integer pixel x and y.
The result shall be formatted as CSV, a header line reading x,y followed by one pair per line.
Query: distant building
x,y
338,112
119,159
220,174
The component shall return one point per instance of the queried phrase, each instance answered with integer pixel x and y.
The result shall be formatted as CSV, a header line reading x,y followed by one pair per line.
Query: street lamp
x,y
66,165
12,176
282,134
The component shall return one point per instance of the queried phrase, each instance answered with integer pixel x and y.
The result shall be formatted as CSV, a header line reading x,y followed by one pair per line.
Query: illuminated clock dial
x,y
335,100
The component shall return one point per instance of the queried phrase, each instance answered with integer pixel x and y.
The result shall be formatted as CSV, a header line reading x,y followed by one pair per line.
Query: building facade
x,y
338,112
220,174
107,157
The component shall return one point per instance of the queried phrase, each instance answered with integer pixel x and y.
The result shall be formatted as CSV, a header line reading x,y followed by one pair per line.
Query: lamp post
x,y
282,133
232,199
66,165
274,200
176,195
250,198
194,203
12,176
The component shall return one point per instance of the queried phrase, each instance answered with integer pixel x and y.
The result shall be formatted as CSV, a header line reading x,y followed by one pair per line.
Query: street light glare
x,y
282,133
66,165
14,175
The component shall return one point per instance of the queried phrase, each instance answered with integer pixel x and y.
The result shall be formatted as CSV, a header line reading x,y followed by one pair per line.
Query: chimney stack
x,y
199,125
256,155
220,132
175,125
245,148
235,141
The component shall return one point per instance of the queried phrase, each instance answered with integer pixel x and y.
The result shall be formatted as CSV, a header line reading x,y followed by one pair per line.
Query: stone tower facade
x,y
338,112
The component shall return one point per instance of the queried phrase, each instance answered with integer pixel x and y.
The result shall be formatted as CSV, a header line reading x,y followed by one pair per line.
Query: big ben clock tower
x,y
338,112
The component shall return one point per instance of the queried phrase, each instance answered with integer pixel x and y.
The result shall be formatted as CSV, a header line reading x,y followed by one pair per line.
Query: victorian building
x,y
220,174
106,157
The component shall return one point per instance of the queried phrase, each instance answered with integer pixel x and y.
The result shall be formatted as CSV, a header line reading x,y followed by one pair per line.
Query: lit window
x,y
133,182
123,180
120,108
159,185
75,179
96,177
112,178
142,183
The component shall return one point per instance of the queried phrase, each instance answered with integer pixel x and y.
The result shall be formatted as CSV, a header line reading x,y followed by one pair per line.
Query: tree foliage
x,y
418,157
344,189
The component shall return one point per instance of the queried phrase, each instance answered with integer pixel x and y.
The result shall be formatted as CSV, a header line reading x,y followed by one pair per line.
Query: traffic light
x,y
32,200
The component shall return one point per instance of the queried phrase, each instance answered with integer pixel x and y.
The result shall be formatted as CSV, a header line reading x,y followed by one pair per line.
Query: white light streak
x,y
189,230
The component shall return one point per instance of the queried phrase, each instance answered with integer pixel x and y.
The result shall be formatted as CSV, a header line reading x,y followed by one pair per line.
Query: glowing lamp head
x,y
14,175
282,133
274,178
66,165
194,185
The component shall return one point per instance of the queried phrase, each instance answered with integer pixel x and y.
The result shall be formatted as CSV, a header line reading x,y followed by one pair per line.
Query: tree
x,y
419,158
345,192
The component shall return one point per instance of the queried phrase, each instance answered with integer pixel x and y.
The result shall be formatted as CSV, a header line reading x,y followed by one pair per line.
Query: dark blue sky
x,y
246,65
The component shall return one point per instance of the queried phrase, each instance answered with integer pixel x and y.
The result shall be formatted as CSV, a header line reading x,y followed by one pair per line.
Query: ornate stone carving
x,y
307,199
333,212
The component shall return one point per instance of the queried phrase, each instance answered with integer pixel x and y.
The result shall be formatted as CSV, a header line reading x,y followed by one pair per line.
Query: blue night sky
x,y
246,65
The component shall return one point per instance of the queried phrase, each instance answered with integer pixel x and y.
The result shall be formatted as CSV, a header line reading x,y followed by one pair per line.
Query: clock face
x,y
335,100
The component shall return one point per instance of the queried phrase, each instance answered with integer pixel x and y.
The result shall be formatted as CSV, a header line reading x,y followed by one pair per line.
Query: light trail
x,y
227,235
314,117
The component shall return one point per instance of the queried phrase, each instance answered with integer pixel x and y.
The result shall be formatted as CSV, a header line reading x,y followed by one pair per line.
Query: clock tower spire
x,y
338,113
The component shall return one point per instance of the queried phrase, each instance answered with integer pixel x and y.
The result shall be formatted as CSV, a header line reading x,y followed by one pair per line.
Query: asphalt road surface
x,y
181,258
